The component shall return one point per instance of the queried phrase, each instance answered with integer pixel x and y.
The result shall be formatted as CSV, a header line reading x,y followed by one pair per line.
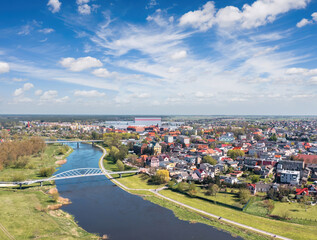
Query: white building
x,y
168,139
291,177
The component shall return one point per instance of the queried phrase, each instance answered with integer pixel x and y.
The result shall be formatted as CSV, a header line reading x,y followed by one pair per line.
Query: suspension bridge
x,y
73,173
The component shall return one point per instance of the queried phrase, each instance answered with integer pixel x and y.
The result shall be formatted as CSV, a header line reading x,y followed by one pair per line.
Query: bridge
x,y
74,173
73,141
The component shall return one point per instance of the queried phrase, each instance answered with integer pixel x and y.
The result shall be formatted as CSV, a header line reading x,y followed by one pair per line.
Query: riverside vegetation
x,y
33,212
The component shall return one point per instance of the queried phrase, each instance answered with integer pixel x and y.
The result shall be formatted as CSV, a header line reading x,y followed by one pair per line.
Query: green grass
x,y
222,197
139,181
290,230
21,215
31,171
296,210
186,215
256,207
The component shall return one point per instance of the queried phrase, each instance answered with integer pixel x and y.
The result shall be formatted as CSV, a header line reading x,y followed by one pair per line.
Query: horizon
x,y
157,57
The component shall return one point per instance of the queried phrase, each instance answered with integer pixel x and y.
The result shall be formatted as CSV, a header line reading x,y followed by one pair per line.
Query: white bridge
x,y
74,173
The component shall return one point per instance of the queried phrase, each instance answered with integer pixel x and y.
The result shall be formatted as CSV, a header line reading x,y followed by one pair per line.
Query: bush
x,y
120,165
47,172
18,178
21,162
244,195
284,199
55,196
291,196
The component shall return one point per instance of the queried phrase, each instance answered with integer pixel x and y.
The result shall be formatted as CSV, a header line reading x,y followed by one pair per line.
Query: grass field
x,y
226,198
139,181
193,217
22,215
290,230
295,210
256,207
46,159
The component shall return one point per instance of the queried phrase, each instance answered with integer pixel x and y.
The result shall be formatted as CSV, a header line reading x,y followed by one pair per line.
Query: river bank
x,y
182,211
34,211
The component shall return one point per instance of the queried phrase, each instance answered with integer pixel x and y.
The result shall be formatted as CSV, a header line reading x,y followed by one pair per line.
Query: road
x,y
156,192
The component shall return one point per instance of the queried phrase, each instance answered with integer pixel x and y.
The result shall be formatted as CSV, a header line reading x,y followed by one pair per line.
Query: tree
x,y
161,176
244,195
213,189
192,189
255,178
114,153
235,153
257,137
273,138
210,160
304,202
182,186
120,165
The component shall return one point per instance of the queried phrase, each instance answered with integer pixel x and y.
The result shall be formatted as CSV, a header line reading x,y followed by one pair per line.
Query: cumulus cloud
x,y
49,95
151,4
260,13
179,55
20,91
79,2
305,21
80,64
102,72
92,93
38,92
46,30
84,9
54,5
202,18
4,67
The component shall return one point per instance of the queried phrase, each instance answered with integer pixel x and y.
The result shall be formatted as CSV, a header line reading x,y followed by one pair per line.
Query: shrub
x,y
47,172
55,196
284,199
18,177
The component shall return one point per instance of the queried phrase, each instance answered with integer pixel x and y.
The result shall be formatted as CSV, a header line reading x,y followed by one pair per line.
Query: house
x,y
252,188
231,180
290,177
153,162
157,149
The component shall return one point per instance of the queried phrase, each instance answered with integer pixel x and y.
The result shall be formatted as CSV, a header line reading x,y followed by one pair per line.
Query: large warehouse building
x,y
147,121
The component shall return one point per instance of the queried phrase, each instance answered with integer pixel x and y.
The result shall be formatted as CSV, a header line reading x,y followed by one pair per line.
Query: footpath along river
x,y
100,207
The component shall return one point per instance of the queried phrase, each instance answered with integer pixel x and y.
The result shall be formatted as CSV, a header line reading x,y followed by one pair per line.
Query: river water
x,y
100,207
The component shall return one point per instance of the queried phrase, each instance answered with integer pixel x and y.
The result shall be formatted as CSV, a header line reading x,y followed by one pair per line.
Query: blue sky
x,y
158,57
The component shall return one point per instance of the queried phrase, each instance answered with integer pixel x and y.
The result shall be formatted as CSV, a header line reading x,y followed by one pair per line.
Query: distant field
x,y
138,182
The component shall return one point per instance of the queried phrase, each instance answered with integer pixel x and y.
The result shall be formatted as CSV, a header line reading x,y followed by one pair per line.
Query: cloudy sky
x,y
158,57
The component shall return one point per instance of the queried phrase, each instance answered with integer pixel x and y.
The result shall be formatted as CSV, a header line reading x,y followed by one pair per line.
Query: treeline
x,y
15,153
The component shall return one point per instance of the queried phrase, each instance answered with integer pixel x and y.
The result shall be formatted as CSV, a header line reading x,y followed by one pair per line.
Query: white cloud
x,y
4,67
49,95
102,72
301,71
38,92
79,2
84,9
92,93
151,4
80,64
259,13
202,18
313,80
20,91
179,55
200,94
18,80
173,70
46,30
62,100
54,5
121,100
303,23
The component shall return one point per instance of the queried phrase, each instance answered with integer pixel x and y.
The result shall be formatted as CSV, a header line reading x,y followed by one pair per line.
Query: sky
x,y
158,57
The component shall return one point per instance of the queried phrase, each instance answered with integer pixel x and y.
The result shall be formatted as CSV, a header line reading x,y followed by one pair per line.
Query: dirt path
x,y
5,231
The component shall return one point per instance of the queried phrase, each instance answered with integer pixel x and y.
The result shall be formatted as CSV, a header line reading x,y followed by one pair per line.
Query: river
x,y
101,207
